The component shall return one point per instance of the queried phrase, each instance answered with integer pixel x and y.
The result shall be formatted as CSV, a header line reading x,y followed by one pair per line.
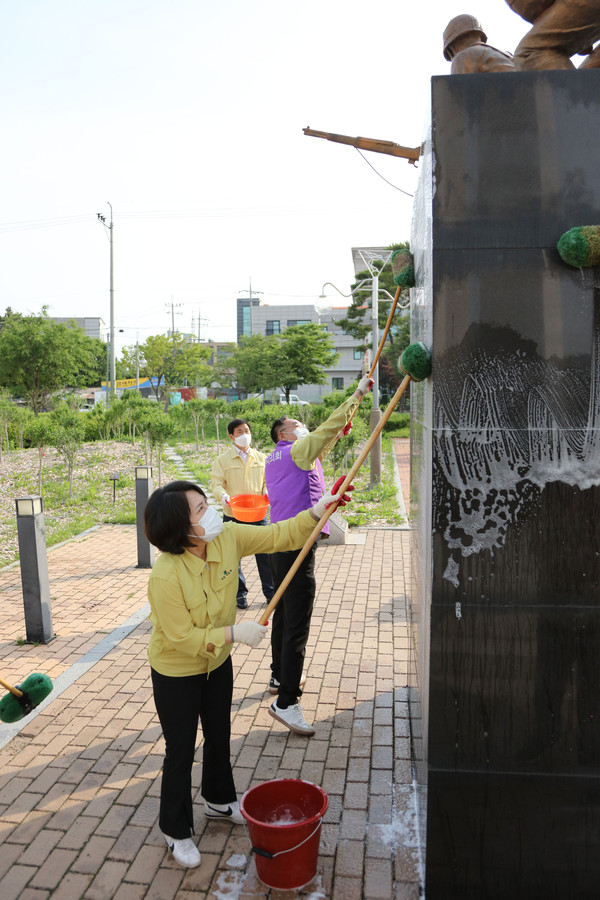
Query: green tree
x,y
358,319
256,365
358,323
95,374
159,427
66,434
304,352
298,356
217,409
8,414
223,373
39,357
169,360
199,413
20,421
39,433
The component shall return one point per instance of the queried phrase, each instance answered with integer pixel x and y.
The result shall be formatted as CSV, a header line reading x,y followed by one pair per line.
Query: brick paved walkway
x,y
79,783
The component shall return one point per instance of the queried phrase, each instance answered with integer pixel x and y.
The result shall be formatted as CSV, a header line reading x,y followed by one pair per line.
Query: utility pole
x,y
179,312
111,382
201,319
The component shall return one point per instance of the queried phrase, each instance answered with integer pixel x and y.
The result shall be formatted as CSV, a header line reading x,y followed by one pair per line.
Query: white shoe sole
x,y
305,732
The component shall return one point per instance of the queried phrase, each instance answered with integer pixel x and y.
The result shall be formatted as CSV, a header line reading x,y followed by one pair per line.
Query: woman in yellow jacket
x,y
192,594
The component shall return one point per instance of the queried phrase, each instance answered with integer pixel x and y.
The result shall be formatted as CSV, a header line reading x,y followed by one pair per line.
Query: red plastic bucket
x,y
284,822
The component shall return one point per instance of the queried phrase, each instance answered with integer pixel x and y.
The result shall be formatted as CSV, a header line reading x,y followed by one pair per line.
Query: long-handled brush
x,y
416,363
24,697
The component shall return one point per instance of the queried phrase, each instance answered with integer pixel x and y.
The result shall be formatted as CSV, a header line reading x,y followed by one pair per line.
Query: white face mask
x,y
212,523
242,440
301,431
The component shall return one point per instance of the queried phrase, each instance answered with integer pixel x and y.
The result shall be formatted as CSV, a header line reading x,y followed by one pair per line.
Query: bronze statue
x,y
561,29
465,44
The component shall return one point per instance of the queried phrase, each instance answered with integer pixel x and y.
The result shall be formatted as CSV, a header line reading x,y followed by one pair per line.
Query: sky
x,y
186,117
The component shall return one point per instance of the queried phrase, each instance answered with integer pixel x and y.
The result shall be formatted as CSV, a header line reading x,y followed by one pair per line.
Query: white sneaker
x,y
184,851
292,718
230,812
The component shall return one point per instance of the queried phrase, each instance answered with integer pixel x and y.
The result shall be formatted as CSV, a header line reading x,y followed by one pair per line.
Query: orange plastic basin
x,y
249,507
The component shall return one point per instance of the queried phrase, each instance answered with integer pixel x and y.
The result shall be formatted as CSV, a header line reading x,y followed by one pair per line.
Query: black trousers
x,y
291,622
179,703
262,564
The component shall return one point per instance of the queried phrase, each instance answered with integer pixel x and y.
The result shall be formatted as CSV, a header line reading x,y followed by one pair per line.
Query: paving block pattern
x,y
80,782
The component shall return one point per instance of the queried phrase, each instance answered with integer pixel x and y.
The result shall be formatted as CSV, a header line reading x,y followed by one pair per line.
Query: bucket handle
x,y
269,855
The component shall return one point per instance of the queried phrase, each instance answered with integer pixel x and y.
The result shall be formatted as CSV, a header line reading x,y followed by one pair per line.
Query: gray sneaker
x,y
292,718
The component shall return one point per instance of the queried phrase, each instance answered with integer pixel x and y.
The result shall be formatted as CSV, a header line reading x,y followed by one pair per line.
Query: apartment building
x,y
256,317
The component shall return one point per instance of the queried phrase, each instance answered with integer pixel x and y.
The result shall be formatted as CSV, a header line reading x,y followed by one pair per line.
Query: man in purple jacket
x,y
294,479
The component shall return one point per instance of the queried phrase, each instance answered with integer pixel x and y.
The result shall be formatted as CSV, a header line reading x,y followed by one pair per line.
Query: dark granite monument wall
x,y
506,490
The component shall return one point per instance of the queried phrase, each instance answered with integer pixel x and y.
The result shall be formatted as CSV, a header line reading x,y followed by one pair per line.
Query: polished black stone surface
x,y
506,490
496,837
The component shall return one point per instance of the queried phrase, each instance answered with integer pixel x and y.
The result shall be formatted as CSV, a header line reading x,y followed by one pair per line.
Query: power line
x,y
233,212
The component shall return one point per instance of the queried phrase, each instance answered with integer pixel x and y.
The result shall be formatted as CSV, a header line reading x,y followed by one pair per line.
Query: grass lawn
x,y
91,501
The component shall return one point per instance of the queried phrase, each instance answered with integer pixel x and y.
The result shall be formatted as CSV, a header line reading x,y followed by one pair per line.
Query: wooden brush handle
x,y
388,325
386,331
331,509
11,688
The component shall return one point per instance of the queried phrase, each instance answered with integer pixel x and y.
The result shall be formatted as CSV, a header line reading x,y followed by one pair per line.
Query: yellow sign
x,y
122,383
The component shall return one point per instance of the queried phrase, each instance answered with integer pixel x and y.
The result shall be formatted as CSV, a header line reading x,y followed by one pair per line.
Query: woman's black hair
x,y
167,516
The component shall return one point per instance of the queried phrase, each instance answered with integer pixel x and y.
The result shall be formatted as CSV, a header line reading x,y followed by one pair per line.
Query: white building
x,y
267,319
92,326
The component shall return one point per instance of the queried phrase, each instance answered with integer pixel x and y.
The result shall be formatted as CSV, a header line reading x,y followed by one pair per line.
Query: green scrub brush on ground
x,y
403,268
24,697
580,247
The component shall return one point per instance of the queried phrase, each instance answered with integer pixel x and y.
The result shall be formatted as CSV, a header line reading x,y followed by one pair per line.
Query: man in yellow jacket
x,y
241,470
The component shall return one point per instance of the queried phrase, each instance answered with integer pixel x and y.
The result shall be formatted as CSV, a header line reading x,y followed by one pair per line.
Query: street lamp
x,y
366,258
323,295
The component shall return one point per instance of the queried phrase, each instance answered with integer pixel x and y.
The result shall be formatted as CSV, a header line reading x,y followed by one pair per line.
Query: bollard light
x,y
29,506
143,489
114,478
33,561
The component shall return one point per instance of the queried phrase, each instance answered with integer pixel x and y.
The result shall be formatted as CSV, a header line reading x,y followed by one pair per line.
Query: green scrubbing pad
x,y
416,361
403,268
35,688
10,708
580,247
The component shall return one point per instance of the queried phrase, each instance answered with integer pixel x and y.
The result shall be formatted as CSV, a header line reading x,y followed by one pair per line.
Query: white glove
x,y
225,498
250,633
321,505
365,384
